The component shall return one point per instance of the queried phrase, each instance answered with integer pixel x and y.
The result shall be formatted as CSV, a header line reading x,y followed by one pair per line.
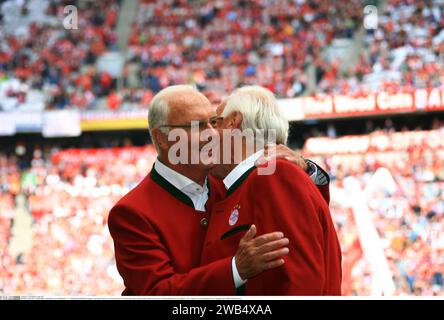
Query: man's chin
x,y
209,166
218,172
202,165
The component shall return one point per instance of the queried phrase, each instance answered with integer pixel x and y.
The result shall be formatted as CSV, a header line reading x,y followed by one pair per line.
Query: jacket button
x,y
204,222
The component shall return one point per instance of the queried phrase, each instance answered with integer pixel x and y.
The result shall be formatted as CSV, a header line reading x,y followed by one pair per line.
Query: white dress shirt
x,y
197,193
241,168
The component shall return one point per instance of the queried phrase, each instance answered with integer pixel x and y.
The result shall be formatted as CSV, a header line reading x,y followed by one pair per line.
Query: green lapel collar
x,y
239,181
178,194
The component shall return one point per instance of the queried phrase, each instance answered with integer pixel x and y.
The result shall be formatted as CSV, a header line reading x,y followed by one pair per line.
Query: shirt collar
x,y
184,184
241,168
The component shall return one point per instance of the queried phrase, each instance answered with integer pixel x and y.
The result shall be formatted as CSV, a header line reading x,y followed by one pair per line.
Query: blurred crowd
x,y
405,51
216,45
43,64
220,45
408,219
71,252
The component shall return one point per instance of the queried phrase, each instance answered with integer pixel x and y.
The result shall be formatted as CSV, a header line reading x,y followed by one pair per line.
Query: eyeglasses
x,y
215,121
202,124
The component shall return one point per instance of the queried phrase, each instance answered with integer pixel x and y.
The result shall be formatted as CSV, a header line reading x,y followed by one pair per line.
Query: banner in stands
x,y
7,124
65,123
332,106
376,142
31,121
93,156
292,109
114,120
61,123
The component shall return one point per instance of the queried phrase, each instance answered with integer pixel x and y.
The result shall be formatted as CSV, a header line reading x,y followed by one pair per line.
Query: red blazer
x,y
286,201
158,238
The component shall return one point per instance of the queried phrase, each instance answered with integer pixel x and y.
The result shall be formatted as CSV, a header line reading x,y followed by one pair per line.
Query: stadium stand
x,y
407,216
182,42
404,52
68,199
43,65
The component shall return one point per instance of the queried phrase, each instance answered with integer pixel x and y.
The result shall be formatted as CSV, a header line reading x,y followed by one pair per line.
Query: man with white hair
x,y
159,227
286,200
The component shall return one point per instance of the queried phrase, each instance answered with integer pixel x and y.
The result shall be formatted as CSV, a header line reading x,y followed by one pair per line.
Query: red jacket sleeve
x,y
146,267
288,201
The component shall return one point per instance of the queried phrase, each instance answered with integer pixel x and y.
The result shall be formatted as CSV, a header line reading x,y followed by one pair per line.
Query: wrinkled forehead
x,y
185,108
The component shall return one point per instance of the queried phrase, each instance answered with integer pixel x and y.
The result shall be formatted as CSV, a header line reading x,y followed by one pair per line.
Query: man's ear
x,y
235,120
159,137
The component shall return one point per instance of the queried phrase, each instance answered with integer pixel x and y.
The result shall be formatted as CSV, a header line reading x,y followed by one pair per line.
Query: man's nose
x,y
213,129
211,126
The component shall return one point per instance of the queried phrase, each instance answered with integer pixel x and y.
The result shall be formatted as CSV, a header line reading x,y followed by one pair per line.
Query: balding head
x,y
176,105
162,102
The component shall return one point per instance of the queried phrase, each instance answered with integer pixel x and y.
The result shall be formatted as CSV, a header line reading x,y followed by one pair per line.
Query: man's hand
x,y
256,255
282,152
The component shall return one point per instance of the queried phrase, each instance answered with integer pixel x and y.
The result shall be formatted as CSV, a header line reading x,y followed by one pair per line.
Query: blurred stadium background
x,y
362,87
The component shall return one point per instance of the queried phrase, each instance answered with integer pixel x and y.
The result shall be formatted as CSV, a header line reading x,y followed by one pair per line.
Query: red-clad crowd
x,y
223,44
48,64
408,218
69,199
404,51
217,45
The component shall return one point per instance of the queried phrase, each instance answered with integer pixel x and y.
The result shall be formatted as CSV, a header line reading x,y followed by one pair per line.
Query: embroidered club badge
x,y
234,216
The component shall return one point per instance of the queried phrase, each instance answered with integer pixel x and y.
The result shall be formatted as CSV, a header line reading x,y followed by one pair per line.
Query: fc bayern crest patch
x,y
234,216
